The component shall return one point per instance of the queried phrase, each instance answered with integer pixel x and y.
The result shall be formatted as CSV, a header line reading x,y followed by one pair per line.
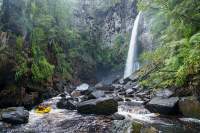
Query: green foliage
x,y
21,71
63,66
19,42
195,39
54,47
22,68
176,35
42,70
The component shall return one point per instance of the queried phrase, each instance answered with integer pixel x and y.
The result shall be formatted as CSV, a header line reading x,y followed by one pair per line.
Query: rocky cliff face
x,y
13,17
145,36
105,20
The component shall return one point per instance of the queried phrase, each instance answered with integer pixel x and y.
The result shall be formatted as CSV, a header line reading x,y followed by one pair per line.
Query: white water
x,y
131,63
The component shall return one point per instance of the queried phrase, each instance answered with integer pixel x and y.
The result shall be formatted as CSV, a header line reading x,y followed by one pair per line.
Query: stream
x,y
68,121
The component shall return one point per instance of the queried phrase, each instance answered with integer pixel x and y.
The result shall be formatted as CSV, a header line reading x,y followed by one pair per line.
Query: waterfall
x,y
131,63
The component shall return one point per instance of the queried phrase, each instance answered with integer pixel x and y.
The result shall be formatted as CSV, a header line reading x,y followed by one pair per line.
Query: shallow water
x,y
164,124
67,121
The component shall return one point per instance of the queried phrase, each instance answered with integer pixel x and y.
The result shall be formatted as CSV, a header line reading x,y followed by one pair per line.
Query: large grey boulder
x,y
15,115
101,106
190,107
166,106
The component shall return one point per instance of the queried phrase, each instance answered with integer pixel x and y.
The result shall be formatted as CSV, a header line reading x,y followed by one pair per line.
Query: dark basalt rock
x,y
15,115
117,116
66,104
166,106
101,106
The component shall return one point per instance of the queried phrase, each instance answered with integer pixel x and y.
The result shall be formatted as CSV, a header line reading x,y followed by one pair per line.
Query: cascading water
x,y
131,63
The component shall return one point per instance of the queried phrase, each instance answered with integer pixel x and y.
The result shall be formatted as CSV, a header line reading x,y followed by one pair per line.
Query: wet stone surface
x,y
132,108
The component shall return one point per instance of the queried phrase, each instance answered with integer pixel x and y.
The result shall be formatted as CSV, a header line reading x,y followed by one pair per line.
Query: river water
x,y
68,121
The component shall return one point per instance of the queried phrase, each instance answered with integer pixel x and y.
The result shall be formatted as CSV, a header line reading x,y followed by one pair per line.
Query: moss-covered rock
x,y
136,127
190,107
142,128
166,106
149,130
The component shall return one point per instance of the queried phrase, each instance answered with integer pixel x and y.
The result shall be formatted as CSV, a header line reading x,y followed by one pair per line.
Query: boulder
x,y
166,93
101,106
96,94
83,88
66,104
117,116
15,115
166,106
190,107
